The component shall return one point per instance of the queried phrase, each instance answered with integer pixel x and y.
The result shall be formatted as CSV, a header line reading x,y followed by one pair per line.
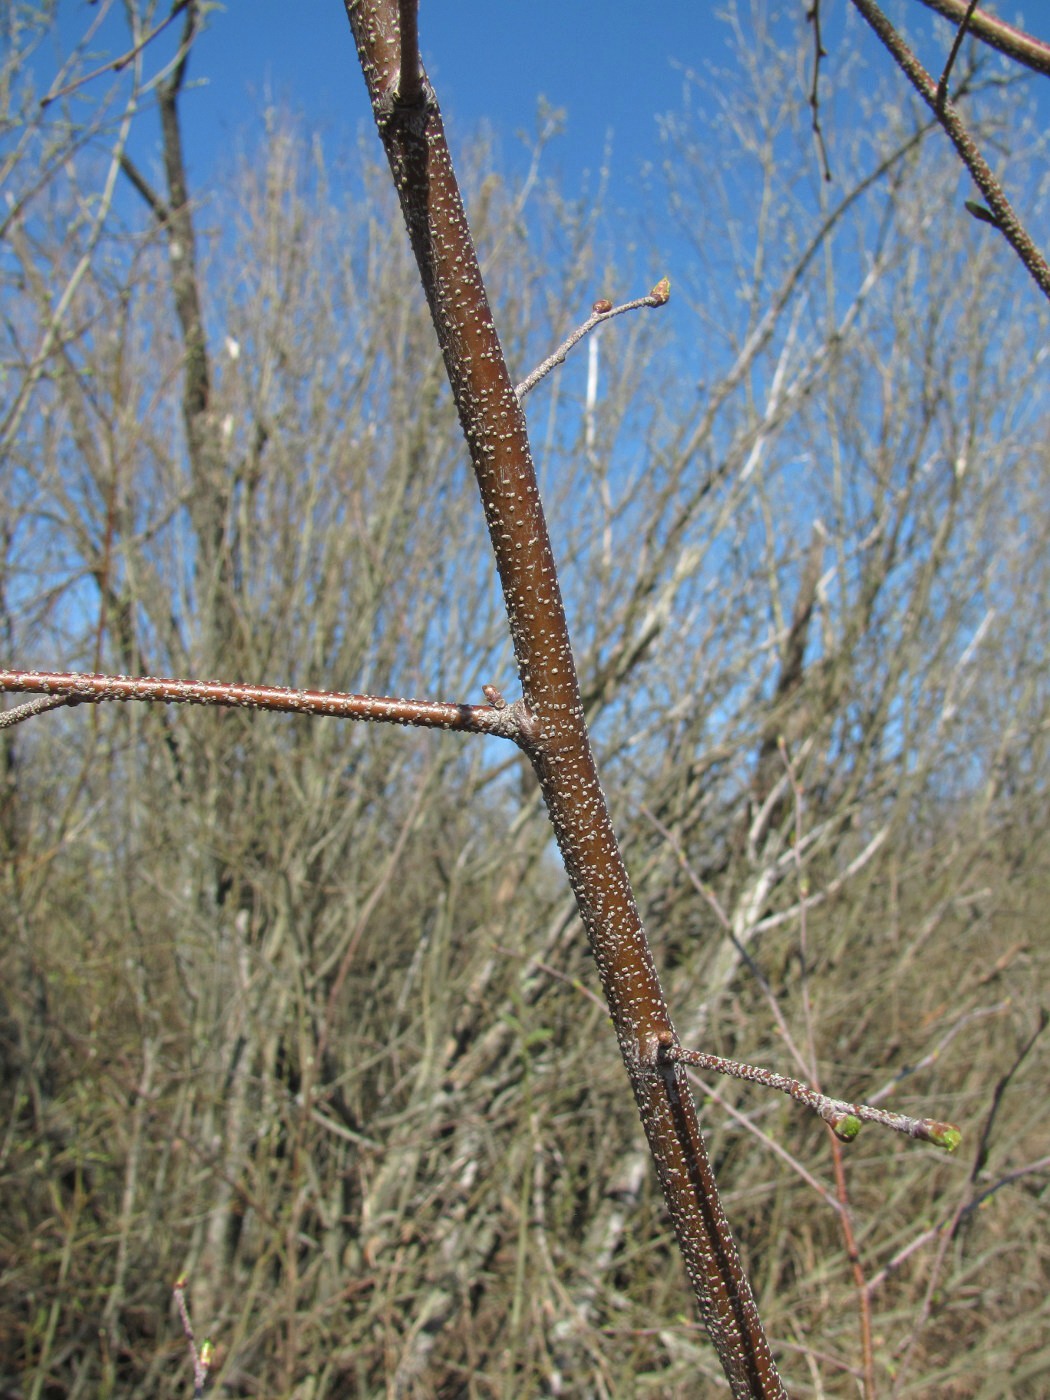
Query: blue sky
x,y
611,66
615,69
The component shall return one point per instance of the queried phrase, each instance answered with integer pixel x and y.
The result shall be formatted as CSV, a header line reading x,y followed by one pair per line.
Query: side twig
x,y
33,707
960,34
512,721
843,1118
602,310
200,1356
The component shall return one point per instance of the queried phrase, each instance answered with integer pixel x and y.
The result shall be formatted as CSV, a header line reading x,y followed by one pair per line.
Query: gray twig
x,y
602,310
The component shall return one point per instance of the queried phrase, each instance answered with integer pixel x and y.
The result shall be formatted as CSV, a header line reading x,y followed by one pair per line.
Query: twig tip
x,y
661,293
945,1135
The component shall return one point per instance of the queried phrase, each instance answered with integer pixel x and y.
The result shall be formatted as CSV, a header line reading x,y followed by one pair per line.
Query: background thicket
x,y
302,1008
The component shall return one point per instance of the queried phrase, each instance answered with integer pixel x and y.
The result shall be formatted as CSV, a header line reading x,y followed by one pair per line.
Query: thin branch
x,y
33,707
811,901
1041,1166
602,310
202,1357
73,688
948,1224
819,52
118,64
1015,43
960,34
980,1157
156,205
189,33
844,1118
101,205
762,334
410,78
933,1055
1002,211
860,1283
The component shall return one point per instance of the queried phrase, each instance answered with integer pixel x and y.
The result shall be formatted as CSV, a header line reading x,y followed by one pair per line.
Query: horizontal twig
x,y
512,721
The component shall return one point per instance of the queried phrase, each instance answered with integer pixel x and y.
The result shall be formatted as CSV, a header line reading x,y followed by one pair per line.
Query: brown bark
x,y
558,746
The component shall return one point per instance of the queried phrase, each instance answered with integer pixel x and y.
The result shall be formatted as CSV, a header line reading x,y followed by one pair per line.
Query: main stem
x,y
413,136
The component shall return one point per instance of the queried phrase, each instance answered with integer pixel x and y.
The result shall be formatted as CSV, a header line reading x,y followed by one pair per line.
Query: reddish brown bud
x,y
601,306
661,292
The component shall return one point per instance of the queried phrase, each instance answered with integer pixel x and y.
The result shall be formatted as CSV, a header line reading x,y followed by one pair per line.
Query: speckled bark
x,y
560,750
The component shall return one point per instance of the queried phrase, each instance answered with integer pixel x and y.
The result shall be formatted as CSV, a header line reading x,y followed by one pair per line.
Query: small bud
x,y
980,212
846,1128
945,1135
601,306
661,293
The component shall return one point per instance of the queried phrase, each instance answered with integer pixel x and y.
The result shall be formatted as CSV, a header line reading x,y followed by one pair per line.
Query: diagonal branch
x,y
1003,214
19,713
960,35
494,427
601,311
1007,38
842,1117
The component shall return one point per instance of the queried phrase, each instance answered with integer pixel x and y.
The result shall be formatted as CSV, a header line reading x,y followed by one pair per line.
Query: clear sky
x,y
612,66
615,66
